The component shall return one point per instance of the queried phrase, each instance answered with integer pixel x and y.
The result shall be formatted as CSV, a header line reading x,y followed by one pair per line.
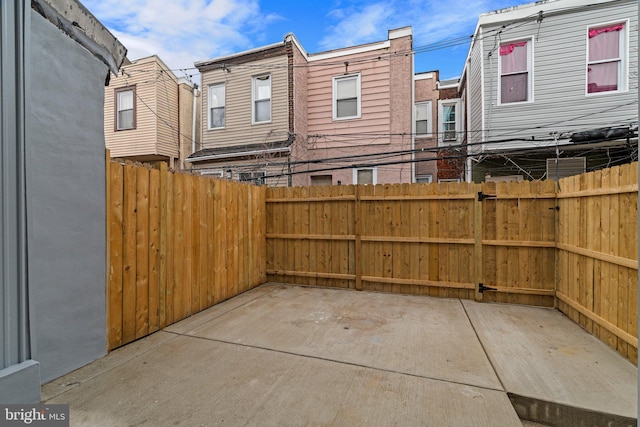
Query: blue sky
x,y
182,32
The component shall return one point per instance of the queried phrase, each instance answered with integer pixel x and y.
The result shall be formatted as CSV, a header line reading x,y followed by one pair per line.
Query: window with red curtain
x,y
514,72
604,64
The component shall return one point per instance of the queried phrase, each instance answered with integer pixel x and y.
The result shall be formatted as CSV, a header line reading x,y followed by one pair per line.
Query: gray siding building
x,y
550,74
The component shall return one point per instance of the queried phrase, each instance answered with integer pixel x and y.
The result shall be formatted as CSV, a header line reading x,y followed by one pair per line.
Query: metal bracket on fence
x,y
482,196
482,288
557,208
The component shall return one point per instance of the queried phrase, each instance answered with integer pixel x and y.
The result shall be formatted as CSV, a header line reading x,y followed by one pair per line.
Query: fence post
x,y
477,230
358,237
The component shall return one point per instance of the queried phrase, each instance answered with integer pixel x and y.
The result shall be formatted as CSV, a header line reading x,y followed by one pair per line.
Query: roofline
x,y
206,62
310,57
133,62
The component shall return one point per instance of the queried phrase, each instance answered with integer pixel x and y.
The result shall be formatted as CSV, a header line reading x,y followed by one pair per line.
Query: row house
x,y
282,116
150,115
552,89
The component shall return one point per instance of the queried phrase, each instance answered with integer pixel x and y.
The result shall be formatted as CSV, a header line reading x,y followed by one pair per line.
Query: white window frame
x,y
623,72
255,177
429,107
209,107
375,174
118,92
459,120
426,178
215,174
529,100
358,94
255,99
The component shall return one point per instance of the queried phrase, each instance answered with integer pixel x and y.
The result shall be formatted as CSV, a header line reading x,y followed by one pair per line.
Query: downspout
x,y
193,125
413,117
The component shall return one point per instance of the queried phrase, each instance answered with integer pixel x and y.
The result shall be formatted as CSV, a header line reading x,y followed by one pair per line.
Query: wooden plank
x,y
314,220
154,250
295,215
169,226
625,241
298,274
411,214
323,196
211,243
194,247
179,246
232,239
622,189
358,238
142,252
488,226
453,224
478,260
613,181
219,248
188,253
416,282
443,250
423,233
203,242
129,256
115,235
522,291
163,229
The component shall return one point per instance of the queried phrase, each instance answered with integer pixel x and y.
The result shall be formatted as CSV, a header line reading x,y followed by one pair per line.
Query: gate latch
x,y
482,288
482,196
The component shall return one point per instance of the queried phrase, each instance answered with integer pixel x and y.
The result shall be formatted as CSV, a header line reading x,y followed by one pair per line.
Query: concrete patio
x,y
290,355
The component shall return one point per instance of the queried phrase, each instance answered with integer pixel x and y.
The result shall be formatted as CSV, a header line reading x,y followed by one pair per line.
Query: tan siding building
x,y
142,113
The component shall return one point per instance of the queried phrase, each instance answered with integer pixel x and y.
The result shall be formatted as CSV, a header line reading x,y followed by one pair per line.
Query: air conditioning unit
x,y
562,168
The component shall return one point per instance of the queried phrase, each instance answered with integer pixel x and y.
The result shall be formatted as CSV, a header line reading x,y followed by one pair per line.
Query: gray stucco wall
x,y
66,202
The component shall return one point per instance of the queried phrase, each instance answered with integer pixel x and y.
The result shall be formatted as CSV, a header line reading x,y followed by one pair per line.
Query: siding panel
x,y
559,72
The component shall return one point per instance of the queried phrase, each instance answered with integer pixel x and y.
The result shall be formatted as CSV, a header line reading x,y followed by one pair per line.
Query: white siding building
x,y
542,73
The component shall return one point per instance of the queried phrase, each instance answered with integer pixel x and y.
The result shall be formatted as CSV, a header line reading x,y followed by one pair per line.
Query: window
x,y
125,108
258,178
262,98
449,122
321,180
365,176
423,119
424,179
604,62
515,72
216,106
450,113
346,97
448,180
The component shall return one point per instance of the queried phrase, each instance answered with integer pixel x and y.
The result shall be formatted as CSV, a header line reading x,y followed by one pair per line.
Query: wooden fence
x,y
522,242
178,244
426,239
598,255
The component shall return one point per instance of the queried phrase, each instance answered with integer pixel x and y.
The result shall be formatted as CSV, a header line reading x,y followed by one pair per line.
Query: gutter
x,y
238,154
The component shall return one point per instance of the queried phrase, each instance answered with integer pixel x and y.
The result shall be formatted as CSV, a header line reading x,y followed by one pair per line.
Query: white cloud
x,y
432,21
357,26
181,32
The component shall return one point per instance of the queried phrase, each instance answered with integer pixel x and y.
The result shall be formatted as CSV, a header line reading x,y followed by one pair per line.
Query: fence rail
x,y
598,255
178,244
574,247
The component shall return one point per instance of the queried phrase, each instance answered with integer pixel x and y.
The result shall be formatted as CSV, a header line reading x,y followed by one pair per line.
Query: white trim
x,y
207,62
209,87
238,154
445,180
374,174
423,76
425,178
623,73
457,103
348,51
483,134
218,173
334,99
253,98
399,32
530,79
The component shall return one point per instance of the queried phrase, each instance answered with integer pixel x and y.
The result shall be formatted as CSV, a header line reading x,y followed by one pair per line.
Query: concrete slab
x,y
196,381
427,337
204,316
540,353
103,365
